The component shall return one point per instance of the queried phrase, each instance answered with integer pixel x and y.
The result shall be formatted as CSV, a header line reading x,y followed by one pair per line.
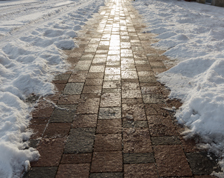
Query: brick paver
x,y
110,117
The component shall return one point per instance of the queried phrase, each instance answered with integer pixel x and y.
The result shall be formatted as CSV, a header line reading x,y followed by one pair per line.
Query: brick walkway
x,y
110,117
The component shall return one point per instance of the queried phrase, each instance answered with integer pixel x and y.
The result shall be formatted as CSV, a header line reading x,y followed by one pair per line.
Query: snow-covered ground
x,y
32,34
192,34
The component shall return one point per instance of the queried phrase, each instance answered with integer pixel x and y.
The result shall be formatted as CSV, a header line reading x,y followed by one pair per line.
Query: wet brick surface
x,y
140,170
80,140
73,171
109,117
76,158
109,126
107,175
40,172
171,161
107,142
107,161
201,164
138,158
47,148
73,88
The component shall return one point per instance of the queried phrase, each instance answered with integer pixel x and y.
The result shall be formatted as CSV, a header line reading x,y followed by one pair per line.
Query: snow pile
x,y
30,56
192,33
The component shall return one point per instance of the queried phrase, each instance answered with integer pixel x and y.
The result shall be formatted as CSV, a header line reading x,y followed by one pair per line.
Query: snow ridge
x,y
30,56
193,34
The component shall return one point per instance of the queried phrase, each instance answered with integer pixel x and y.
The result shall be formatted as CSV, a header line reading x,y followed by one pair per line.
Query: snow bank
x,y
28,62
192,33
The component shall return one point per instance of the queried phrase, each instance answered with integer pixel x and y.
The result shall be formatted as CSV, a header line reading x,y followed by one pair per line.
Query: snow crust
x,y
193,34
32,35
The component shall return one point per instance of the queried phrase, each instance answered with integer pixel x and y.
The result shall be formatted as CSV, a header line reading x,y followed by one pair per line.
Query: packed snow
x,y
193,34
32,36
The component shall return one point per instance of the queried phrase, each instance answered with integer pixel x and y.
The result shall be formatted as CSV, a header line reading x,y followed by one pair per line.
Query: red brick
x,y
189,145
73,171
159,70
54,97
132,101
82,121
78,77
140,170
171,161
85,96
95,75
108,142
161,126
76,158
155,109
109,126
107,162
110,99
69,99
136,141
38,120
60,87
134,110
37,129
174,102
93,82
44,109
92,89
50,152
57,130
90,106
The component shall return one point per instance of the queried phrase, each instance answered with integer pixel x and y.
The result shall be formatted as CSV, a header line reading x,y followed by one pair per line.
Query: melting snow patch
x,y
192,33
29,60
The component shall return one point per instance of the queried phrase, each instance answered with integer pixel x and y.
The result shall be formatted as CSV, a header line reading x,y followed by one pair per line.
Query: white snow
x,y
193,34
32,34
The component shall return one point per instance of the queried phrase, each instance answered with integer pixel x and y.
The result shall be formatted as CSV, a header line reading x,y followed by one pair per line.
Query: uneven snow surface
x,y
32,34
193,34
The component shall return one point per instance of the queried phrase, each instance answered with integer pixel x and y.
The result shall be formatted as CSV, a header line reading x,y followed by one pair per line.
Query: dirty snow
x,y
193,34
32,35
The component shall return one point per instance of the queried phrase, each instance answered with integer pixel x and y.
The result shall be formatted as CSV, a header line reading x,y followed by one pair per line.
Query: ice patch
x,y
65,44
53,33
